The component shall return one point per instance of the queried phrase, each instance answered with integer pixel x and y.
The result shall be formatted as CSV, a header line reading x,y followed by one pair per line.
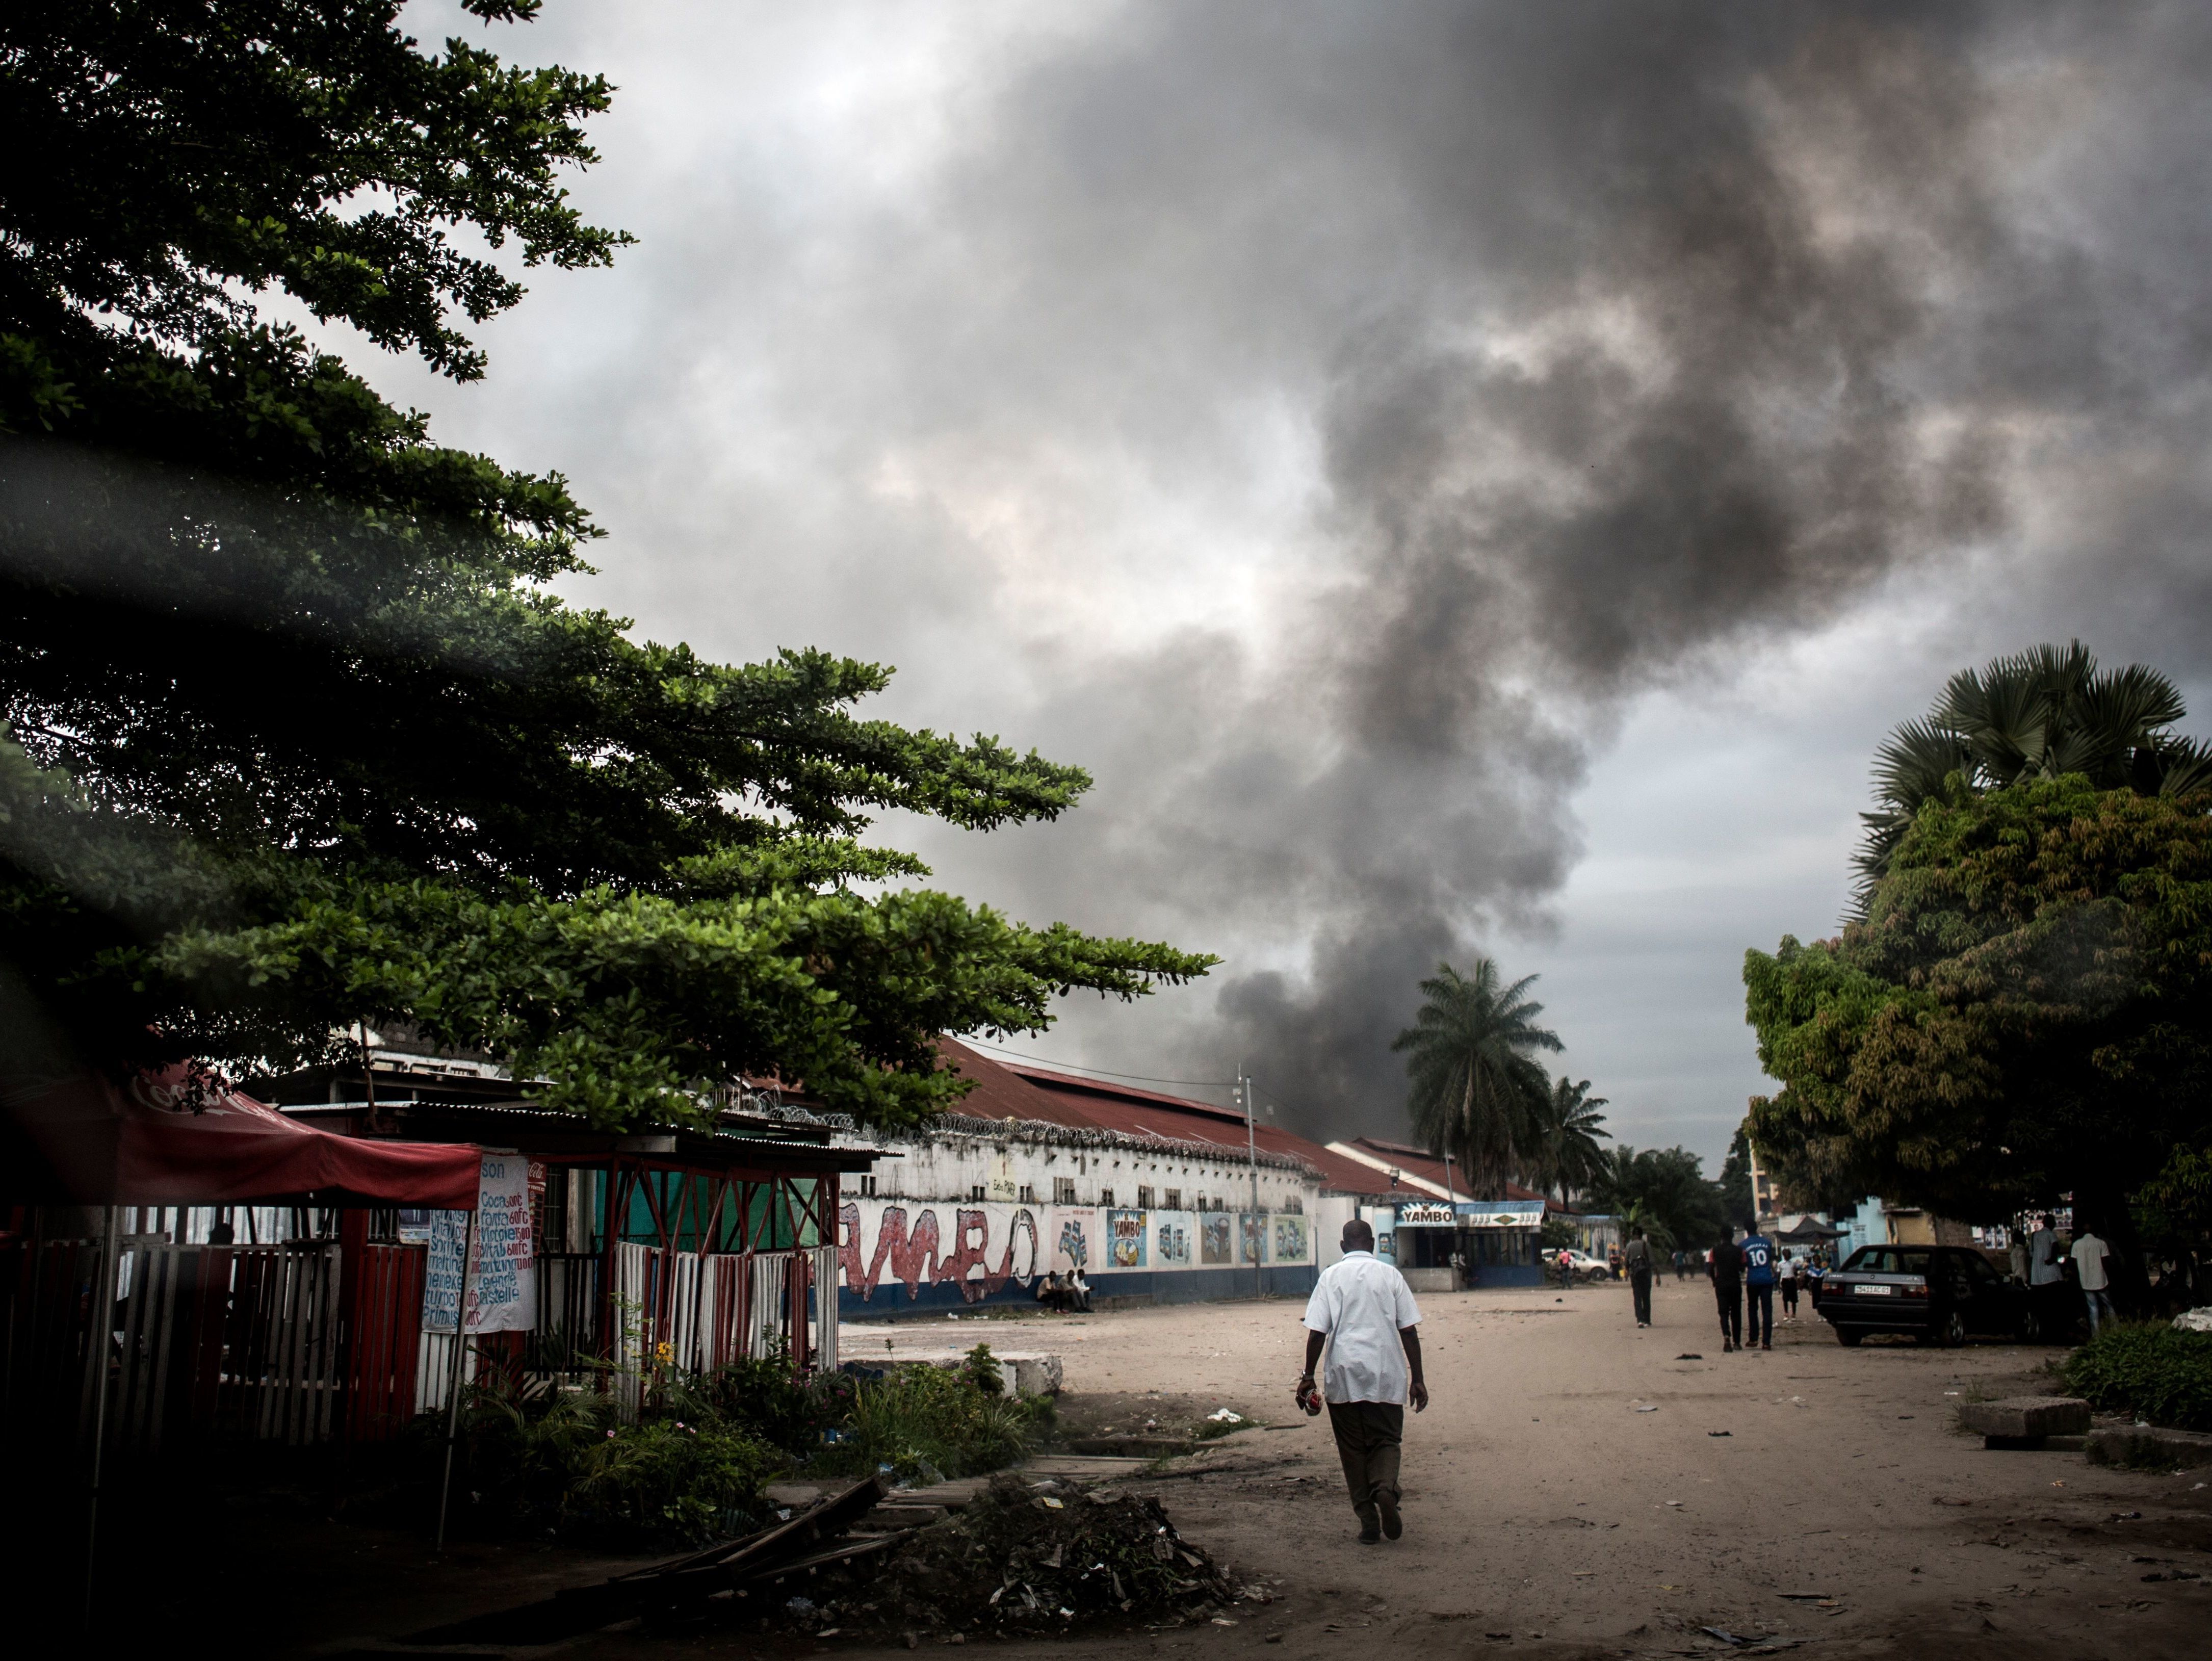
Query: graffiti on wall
x,y
916,1255
1213,1237
983,1249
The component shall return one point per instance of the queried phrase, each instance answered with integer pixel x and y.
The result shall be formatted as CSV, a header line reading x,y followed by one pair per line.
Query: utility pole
x,y
1252,1153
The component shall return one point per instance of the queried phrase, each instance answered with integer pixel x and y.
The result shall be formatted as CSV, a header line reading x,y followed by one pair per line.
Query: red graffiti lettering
x,y
913,1258
969,1267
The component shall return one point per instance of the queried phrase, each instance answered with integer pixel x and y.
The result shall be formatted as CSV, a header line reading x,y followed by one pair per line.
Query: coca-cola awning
x,y
181,1138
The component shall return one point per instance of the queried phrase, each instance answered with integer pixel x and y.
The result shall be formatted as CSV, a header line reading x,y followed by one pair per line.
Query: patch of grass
x,y
2149,1369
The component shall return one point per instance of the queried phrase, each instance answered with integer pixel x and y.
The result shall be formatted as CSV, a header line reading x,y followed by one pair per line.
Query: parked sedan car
x,y
1588,1267
1940,1294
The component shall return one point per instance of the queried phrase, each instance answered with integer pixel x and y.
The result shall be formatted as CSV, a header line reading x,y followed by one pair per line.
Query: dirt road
x,y
1544,1511
1546,1515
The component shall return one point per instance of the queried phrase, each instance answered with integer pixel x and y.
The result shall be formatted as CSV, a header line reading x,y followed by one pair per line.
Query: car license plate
x,y
1876,1292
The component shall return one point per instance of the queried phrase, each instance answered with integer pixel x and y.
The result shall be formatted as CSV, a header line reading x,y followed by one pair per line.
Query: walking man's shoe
x,y
1393,1524
1370,1526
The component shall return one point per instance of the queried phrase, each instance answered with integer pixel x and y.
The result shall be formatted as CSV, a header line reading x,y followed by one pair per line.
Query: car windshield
x,y
1889,1260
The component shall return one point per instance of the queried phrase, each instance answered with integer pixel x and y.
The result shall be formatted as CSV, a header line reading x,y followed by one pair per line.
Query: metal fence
x,y
306,1342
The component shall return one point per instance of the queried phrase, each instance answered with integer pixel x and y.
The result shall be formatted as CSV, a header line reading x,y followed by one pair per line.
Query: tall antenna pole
x,y
1252,1153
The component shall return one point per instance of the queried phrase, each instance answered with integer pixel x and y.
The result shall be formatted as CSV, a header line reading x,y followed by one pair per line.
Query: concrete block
x,y
2147,1445
2021,1418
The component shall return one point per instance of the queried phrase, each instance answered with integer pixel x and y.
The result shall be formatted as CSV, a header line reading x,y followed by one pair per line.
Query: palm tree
x,y
2037,714
1474,1090
1569,1156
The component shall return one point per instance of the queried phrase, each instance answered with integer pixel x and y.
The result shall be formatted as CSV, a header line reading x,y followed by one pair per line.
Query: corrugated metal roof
x,y
1110,1106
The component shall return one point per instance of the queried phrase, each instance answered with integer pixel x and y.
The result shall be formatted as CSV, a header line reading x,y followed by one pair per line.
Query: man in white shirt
x,y
1361,1308
2089,1255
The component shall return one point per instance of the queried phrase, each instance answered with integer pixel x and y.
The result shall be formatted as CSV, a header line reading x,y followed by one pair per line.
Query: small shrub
x,y
2149,1369
927,1422
575,1468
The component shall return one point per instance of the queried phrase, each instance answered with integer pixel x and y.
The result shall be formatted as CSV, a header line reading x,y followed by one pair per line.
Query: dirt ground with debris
x,y
1547,1516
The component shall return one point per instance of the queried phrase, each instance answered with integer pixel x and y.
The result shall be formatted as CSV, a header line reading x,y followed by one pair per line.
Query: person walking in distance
x,y
1758,1287
1364,1310
1637,1257
1724,1264
2089,1254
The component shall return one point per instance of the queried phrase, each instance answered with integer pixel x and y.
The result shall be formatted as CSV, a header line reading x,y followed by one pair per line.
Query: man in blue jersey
x,y
1758,1287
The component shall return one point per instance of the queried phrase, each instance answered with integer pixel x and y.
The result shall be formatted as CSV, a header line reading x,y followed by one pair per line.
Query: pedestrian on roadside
x,y
1567,1268
1638,1260
1363,1309
1724,1266
1758,1287
1079,1291
2043,1270
1787,1275
2016,1254
2089,1255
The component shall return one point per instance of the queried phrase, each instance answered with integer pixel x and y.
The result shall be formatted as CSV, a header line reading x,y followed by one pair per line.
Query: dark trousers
x,y
1761,1299
1367,1438
1728,1295
1639,1286
1790,1299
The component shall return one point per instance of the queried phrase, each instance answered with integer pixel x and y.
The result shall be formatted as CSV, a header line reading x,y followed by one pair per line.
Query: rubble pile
x,y
1023,1558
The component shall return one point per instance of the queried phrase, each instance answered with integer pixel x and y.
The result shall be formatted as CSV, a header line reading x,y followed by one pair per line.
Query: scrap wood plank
x,y
839,1511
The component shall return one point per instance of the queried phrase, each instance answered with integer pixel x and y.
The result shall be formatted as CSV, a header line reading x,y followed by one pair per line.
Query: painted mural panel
x,y
1125,1240
1252,1237
1213,1237
1077,1243
1291,1240
1172,1239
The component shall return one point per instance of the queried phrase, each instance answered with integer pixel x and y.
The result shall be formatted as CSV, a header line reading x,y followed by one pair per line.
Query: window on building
x,y
867,1188
1028,1195
1063,1191
1105,1196
975,1194
1144,1196
1172,1199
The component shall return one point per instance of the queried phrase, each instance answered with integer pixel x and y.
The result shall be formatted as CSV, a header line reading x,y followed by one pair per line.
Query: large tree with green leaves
x,y
1475,1090
2024,1010
1664,1191
2041,713
1566,1155
296,733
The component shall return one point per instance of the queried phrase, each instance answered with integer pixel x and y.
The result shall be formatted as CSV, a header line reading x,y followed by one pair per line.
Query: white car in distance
x,y
1585,1267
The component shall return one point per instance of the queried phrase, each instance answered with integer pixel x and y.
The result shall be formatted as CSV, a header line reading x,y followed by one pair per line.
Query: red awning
x,y
162,1141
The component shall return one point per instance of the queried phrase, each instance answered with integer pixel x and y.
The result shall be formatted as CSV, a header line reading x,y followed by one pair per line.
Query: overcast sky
x,y
1464,479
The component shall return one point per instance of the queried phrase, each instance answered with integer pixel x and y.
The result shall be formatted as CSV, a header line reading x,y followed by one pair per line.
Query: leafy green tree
x,y
1475,1090
2024,1010
1568,1132
299,734
2039,713
1665,1192
1738,1201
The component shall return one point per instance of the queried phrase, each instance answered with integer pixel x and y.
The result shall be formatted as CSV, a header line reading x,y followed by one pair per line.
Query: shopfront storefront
x,y
1445,1247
